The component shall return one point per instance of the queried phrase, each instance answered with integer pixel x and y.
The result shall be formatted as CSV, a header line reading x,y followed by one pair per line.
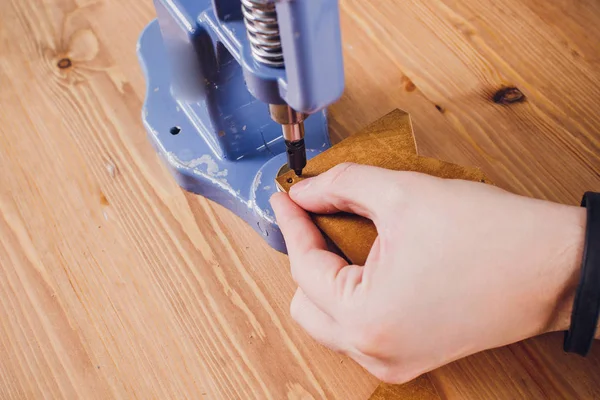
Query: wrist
x,y
567,258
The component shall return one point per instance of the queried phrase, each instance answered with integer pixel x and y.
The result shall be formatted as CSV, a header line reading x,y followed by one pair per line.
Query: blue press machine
x,y
215,70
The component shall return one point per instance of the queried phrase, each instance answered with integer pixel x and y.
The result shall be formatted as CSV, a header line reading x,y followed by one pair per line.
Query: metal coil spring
x,y
260,19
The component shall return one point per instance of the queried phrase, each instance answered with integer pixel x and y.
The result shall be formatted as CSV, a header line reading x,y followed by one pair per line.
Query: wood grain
x,y
116,284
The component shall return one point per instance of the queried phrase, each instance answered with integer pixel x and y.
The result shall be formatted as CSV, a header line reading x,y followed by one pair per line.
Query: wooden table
x,y
114,283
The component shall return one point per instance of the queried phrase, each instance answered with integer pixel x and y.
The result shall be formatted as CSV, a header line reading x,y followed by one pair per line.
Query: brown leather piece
x,y
388,143
420,388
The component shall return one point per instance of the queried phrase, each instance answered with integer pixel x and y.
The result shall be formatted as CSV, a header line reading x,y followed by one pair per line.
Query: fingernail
x,y
302,185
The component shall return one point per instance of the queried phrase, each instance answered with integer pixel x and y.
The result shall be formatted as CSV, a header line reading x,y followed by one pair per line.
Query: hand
x,y
458,267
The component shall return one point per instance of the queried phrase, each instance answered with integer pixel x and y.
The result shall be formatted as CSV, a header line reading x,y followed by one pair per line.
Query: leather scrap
x,y
420,388
387,143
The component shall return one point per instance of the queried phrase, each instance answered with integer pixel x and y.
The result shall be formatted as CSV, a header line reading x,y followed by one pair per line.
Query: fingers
x,y
315,322
313,267
300,233
359,189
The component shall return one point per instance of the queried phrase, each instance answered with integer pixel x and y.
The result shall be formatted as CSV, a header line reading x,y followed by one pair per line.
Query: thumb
x,y
354,188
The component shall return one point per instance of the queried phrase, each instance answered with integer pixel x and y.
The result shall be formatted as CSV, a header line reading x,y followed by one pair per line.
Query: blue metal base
x,y
182,133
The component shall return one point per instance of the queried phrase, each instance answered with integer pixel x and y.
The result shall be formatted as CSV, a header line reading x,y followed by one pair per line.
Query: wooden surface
x,y
116,284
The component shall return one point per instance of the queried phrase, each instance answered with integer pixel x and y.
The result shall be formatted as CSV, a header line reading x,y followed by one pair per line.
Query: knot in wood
x,y
64,63
508,95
